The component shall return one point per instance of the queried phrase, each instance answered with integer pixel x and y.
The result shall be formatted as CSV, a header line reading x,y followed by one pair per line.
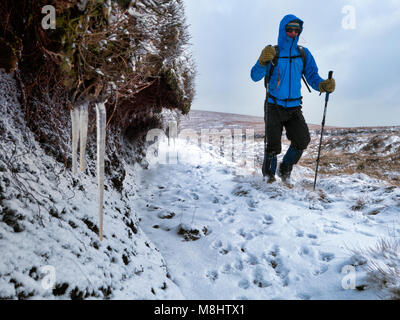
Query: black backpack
x,y
274,62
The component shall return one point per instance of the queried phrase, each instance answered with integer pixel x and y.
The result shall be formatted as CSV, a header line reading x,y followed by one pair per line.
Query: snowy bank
x,y
48,226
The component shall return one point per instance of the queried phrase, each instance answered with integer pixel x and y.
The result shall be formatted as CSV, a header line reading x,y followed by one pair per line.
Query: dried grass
x,y
383,267
370,160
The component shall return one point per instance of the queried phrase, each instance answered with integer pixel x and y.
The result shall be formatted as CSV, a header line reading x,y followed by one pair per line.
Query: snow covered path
x,y
229,236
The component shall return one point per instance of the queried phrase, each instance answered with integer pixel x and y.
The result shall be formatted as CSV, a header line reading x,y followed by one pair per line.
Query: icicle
x,y
75,136
101,146
83,123
172,135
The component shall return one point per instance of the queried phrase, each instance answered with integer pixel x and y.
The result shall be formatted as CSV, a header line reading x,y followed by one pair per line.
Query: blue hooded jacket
x,y
285,82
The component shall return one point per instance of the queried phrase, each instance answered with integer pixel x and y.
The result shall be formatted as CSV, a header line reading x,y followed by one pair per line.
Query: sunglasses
x,y
290,30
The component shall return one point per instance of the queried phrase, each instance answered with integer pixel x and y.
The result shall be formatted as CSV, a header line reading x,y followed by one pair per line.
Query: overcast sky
x,y
228,36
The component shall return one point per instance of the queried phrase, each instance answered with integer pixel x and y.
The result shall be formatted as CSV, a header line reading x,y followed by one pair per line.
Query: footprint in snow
x,y
239,265
245,235
305,251
259,279
195,196
252,259
276,263
244,284
241,232
299,234
212,275
326,256
252,204
337,227
227,217
304,296
224,171
331,231
268,220
274,252
217,244
231,220
151,207
322,269
226,250
227,269
292,218
166,215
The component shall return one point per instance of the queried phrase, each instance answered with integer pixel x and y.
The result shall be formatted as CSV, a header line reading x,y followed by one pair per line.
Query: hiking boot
x,y
284,172
270,178
269,167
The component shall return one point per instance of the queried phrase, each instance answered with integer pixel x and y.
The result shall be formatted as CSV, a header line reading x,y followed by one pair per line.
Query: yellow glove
x,y
328,85
267,55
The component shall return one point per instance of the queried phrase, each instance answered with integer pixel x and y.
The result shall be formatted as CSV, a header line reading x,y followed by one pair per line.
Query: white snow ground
x,y
259,241
254,241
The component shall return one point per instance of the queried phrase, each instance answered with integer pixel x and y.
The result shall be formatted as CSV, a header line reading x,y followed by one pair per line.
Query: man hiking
x,y
283,67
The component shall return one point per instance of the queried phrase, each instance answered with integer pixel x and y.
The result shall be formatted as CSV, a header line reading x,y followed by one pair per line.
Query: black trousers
x,y
277,118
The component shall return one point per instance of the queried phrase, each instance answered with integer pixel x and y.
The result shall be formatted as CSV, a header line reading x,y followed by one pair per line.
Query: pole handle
x,y
330,74
329,77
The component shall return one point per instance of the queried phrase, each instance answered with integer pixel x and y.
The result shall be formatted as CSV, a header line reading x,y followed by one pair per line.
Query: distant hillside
x,y
374,151
211,119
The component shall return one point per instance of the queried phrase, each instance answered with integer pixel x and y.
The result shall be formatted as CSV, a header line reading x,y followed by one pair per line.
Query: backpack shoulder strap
x,y
303,56
273,63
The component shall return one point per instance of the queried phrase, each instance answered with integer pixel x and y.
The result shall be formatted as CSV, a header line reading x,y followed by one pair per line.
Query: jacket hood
x,y
283,39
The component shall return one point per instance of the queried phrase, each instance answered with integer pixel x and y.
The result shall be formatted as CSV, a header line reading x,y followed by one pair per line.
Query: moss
x,y
77,294
9,53
91,226
186,108
60,289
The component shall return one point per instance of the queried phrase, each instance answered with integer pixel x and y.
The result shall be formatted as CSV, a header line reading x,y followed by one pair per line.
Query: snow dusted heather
x,y
49,218
226,234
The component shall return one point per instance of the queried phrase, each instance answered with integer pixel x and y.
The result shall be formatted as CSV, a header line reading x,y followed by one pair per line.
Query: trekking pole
x,y
265,130
322,130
